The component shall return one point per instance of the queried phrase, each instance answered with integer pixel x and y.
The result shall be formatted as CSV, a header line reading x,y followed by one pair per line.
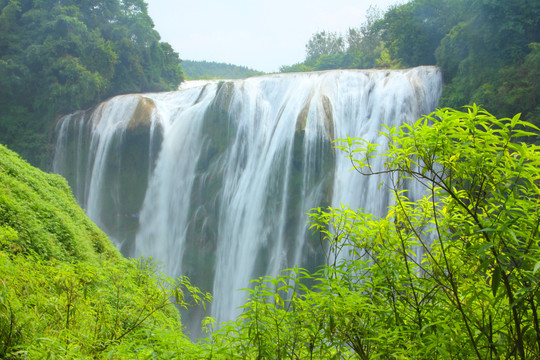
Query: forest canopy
x,y
58,56
201,70
488,50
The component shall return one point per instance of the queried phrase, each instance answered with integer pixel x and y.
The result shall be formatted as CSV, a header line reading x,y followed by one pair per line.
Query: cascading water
x,y
215,180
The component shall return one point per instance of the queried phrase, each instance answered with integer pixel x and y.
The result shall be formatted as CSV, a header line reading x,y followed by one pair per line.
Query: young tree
x,y
476,228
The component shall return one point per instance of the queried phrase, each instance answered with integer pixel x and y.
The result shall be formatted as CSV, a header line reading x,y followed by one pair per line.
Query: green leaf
x,y
495,280
536,267
176,295
489,229
484,247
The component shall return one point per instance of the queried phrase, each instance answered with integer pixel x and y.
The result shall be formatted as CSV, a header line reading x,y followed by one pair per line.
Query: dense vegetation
x,y
488,50
57,56
197,70
450,275
65,291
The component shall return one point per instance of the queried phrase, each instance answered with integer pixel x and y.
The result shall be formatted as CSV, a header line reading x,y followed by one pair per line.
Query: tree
x,y
477,227
449,273
61,56
486,57
413,30
364,44
324,43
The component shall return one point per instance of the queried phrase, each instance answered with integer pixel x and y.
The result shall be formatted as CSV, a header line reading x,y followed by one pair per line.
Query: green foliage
x,y
487,57
449,275
324,43
365,43
477,226
205,70
66,292
360,48
61,56
299,67
513,86
114,309
42,211
486,49
414,30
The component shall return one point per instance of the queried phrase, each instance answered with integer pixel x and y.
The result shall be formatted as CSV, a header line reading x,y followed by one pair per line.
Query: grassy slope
x,y
64,288
41,216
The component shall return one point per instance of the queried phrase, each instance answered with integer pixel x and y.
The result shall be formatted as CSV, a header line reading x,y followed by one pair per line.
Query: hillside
x,y
487,50
64,288
58,56
202,70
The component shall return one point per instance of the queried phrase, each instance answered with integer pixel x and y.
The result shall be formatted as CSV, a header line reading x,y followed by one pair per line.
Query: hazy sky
x,y
260,34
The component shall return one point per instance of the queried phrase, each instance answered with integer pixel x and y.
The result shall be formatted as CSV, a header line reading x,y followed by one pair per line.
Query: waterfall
x,y
215,180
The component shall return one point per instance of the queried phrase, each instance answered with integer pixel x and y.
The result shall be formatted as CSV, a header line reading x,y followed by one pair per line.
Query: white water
x,y
237,167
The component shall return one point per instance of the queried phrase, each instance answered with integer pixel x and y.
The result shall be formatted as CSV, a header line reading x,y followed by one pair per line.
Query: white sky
x,y
259,34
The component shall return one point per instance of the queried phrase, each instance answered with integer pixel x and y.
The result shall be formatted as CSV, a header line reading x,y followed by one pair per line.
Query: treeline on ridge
x,y
58,56
202,70
488,50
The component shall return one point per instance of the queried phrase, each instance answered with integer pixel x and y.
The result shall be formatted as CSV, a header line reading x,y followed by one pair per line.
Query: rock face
x,y
215,180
